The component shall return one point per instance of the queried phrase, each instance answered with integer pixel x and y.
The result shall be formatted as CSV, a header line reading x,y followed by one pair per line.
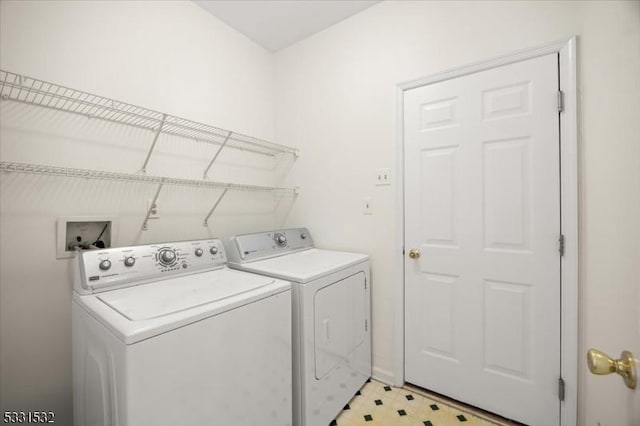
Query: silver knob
x,y
281,240
303,235
167,257
129,261
198,252
105,264
213,250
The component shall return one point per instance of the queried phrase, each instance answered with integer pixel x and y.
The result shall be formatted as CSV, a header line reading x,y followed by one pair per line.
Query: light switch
x,y
383,177
367,205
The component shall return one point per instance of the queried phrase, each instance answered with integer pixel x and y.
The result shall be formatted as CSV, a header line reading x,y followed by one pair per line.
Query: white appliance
x,y
166,334
331,311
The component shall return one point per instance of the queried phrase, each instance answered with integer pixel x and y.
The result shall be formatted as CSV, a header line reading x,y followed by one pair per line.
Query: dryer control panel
x,y
262,245
106,269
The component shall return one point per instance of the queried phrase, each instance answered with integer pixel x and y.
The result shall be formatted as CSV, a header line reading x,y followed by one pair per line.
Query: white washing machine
x,y
166,334
331,316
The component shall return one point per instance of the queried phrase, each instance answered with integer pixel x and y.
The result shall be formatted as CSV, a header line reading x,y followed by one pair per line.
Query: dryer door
x,y
339,322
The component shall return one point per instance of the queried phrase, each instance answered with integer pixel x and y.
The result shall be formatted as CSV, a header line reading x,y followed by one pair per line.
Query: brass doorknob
x,y
601,363
414,253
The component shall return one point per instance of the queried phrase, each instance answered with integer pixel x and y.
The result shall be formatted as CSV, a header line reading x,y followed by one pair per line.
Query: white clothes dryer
x,y
331,316
166,334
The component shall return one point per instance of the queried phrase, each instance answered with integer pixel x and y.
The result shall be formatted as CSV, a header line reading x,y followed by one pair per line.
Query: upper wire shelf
x,y
19,88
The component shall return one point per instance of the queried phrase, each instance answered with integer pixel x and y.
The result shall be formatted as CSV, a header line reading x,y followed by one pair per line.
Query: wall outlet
x,y
383,177
83,233
367,205
155,213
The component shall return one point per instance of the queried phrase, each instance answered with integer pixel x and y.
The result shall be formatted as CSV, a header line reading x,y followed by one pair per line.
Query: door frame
x,y
566,50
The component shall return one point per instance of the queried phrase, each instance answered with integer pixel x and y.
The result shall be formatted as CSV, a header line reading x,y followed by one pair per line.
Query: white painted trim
x,y
569,222
384,376
398,262
566,50
555,47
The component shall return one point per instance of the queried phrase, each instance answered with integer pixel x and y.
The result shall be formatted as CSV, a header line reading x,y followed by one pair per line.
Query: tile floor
x,y
379,404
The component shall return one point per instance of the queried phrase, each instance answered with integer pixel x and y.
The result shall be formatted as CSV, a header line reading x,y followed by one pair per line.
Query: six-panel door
x,y
482,205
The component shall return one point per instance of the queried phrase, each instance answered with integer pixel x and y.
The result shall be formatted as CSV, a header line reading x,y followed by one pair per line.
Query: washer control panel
x,y
261,245
98,270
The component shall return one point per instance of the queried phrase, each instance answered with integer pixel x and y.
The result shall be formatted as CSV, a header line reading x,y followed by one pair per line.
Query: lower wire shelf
x,y
39,169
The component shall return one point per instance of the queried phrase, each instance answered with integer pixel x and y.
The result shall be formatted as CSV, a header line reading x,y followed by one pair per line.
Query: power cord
x,y
97,242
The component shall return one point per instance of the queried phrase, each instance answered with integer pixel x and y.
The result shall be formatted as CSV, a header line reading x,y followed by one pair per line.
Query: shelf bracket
x,y
153,144
153,203
226,139
215,206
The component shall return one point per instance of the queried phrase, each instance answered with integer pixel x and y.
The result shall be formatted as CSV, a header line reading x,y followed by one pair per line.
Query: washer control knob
x,y
213,250
280,239
167,256
303,235
105,265
199,252
129,261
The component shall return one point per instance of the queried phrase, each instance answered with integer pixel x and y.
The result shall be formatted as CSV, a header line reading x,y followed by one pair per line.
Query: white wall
x,y
610,202
169,56
336,97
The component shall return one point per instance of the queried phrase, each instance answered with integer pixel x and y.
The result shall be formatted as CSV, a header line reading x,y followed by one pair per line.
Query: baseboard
x,y
383,376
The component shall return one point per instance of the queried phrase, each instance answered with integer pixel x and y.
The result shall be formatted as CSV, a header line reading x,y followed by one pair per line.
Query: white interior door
x,y
482,206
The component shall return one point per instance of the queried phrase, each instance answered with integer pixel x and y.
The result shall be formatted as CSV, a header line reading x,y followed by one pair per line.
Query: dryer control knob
x,y
303,235
105,264
198,252
129,261
280,239
213,250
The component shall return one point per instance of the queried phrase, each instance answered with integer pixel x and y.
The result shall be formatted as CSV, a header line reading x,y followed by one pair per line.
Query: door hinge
x,y
560,101
561,389
366,325
561,244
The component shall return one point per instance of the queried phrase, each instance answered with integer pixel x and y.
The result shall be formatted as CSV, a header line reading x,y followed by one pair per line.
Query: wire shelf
x,y
19,88
27,168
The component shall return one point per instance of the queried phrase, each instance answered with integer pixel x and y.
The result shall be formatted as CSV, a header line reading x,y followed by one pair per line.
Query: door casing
x,y
566,50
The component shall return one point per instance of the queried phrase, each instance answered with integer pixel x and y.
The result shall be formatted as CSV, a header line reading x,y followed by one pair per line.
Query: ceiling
x,y
276,24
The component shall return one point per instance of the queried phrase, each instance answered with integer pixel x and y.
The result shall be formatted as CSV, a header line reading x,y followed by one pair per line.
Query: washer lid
x,y
137,313
174,295
303,266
